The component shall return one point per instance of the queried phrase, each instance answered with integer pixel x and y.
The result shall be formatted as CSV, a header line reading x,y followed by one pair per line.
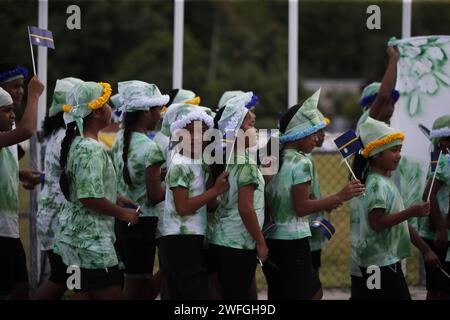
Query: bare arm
x,y
187,206
429,256
155,193
304,205
27,126
380,220
247,212
106,207
387,84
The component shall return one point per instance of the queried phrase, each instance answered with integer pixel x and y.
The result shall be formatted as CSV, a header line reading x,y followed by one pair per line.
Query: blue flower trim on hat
x,y
440,133
301,134
253,102
367,100
19,71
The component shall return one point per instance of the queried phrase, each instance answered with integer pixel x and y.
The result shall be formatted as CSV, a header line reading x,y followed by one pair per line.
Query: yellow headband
x,y
380,142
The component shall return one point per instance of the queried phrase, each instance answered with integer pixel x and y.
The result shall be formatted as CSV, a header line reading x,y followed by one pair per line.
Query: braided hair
x,y
130,120
71,133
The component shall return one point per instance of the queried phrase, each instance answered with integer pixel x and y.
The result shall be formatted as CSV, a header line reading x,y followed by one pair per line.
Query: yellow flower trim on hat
x,y
327,121
103,99
380,142
67,108
194,101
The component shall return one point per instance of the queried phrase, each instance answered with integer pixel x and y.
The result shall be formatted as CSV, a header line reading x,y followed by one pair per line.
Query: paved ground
x,y
417,293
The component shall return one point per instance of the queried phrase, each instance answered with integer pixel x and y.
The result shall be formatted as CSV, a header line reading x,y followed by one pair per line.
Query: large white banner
x,y
423,80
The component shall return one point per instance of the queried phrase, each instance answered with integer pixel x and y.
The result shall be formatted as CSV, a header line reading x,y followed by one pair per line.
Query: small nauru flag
x,y
324,226
348,143
434,159
41,37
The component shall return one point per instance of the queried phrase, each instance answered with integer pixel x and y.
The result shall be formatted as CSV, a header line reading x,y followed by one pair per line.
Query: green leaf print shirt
x,y
84,237
9,190
229,229
185,173
142,154
390,245
296,168
51,197
317,239
426,230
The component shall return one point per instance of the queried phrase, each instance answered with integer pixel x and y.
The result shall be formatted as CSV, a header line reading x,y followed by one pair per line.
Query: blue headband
x,y
367,100
252,102
19,71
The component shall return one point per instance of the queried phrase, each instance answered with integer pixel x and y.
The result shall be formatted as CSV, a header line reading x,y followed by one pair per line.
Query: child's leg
x,y
56,285
49,290
109,293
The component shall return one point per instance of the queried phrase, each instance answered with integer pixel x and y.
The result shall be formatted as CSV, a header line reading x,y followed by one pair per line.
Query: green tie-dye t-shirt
x,y
142,154
51,198
296,168
229,229
387,246
184,172
9,189
426,230
317,239
86,238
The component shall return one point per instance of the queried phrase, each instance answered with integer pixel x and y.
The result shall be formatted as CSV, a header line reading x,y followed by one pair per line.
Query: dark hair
x,y
64,183
129,123
52,124
360,167
217,168
287,116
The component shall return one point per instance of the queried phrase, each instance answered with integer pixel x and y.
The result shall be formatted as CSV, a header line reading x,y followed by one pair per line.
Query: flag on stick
x,y
348,144
39,37
435,156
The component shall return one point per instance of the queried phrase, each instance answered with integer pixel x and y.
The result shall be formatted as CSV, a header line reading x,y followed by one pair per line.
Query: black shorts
x,y
137,246
183,259
13,264
316,259
236,270
392,284
58,270
95,279
436,279
289,271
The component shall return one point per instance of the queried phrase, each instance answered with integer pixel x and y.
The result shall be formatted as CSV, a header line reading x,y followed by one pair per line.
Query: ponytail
x,y
129,123
64,183
360,167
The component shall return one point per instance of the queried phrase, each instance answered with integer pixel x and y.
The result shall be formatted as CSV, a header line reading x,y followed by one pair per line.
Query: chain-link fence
x,y
334,272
